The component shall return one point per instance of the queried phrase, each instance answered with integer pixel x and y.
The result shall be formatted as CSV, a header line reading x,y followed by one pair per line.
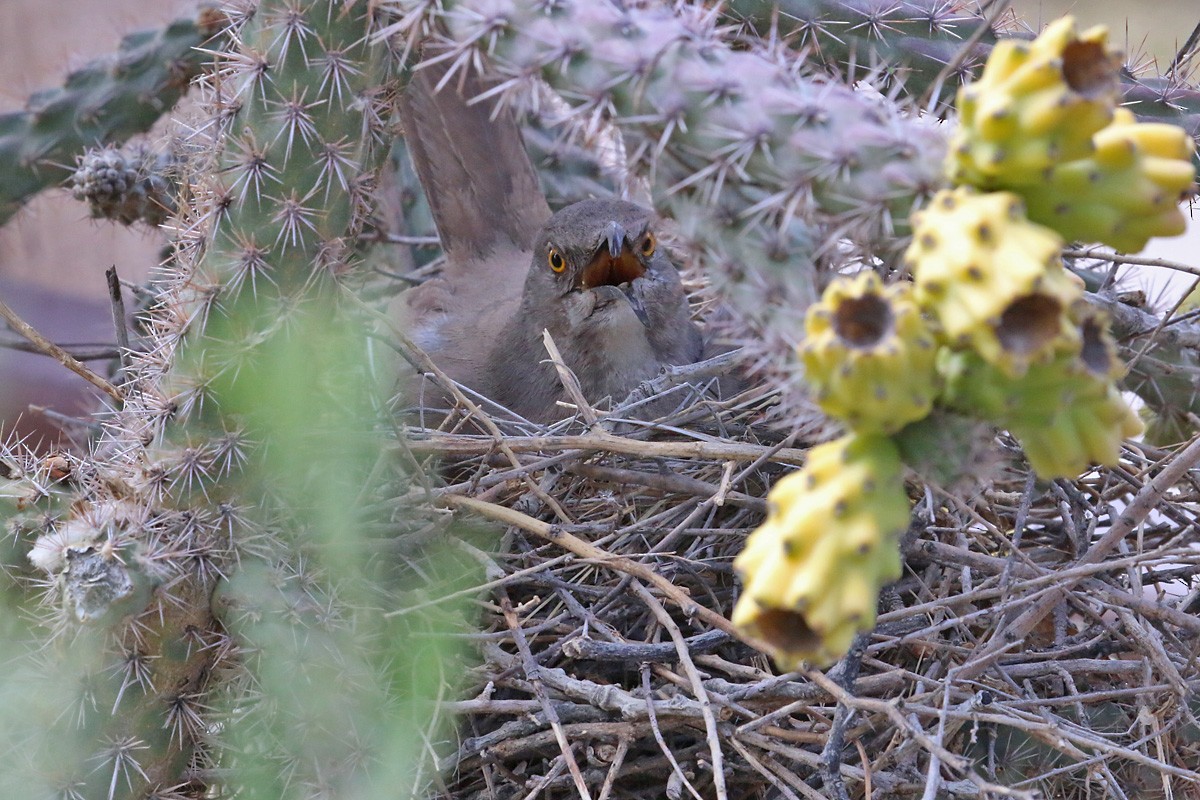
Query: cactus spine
x,y
907,45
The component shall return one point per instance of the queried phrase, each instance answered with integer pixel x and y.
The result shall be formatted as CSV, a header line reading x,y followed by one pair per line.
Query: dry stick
x,y
771,777
671,482
648,691
1120,258
49,348
866,762
791,778
595,650
1149,641
1133,515
556,768
689,667
454,444
84,351
614,768
831,753
933,774
498,439
474,591
890,709
118,312
531,671
1037,576
584,549
569,381
1071,739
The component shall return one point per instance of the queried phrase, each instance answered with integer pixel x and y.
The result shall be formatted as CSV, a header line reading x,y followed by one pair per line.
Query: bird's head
x,y
595,246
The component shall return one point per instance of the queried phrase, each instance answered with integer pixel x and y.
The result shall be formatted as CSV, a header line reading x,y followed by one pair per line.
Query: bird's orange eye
x,y
557,265
648,245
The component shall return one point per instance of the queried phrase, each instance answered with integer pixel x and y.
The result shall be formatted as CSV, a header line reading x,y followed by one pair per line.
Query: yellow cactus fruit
x,y
1126,192
1036,104
1067,413
812,572
1086,429
993,280
869,355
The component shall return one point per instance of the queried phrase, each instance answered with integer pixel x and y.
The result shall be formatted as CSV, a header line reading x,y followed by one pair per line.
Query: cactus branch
x,y
104,102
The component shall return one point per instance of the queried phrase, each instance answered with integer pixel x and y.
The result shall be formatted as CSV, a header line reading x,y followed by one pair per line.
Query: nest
x,y
1041,643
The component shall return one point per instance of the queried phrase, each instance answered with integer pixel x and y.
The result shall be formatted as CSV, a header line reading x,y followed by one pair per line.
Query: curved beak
x,y
613,264
614,237
639,308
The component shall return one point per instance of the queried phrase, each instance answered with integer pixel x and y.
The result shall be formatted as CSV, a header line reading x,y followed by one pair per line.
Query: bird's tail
x,y
472,163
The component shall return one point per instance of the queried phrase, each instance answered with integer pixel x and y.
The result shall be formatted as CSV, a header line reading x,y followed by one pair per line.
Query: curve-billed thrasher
x,y
593,274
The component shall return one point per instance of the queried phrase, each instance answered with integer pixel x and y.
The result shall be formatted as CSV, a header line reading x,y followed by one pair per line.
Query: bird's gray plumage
x,y
617,309
612,337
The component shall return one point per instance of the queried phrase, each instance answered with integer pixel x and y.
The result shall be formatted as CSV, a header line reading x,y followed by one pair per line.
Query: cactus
x,y
131,184
1164,374
1067,413
1126,192
1042,121
177,518
103,102
1168,100
993,280
218,555
869,355
908,45
812,572
1035,106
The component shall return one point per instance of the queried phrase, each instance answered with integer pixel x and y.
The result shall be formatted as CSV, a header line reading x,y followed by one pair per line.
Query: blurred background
x,y
53,258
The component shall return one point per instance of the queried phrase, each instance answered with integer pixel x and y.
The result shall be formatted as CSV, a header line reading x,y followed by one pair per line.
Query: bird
x,y
594,274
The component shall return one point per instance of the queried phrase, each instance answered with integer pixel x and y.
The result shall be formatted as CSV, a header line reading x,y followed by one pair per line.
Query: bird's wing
x,y
457,322
472,163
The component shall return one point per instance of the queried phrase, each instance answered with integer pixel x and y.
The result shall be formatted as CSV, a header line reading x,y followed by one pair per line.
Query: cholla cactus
x,y
1035,105
907,46
1042,121
178,494
765,172
993,280
1017,348
813,570
1067,413
869,355
131,184
1126,192
103,102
